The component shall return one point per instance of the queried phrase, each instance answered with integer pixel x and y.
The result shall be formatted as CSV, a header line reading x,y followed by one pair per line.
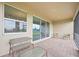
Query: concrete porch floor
x,y
59,47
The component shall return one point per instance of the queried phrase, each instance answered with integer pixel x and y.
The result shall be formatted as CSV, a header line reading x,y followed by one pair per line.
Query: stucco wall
x,y
4,38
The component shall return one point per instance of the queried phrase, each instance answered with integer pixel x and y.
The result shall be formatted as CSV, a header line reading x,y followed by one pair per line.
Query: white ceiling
x,y
54,11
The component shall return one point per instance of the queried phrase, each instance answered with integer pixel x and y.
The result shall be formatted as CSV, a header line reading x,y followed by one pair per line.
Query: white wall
x,y
63,27
1,31
4,38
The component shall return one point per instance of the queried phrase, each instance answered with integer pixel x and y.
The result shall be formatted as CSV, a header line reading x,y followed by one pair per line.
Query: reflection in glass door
x,y
36,29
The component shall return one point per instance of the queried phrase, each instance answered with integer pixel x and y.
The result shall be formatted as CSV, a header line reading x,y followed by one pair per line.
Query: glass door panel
x,y
43,29
47,29
36,29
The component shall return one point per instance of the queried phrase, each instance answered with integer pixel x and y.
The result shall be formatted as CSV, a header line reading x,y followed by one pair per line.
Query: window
x,y
15,20
40,29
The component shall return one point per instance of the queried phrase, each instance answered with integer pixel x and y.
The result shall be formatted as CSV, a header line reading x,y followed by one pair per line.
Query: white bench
x,y
22,47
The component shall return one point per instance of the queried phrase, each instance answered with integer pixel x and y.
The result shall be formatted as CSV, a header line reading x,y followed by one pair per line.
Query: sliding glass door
x,y
40,29
36,28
